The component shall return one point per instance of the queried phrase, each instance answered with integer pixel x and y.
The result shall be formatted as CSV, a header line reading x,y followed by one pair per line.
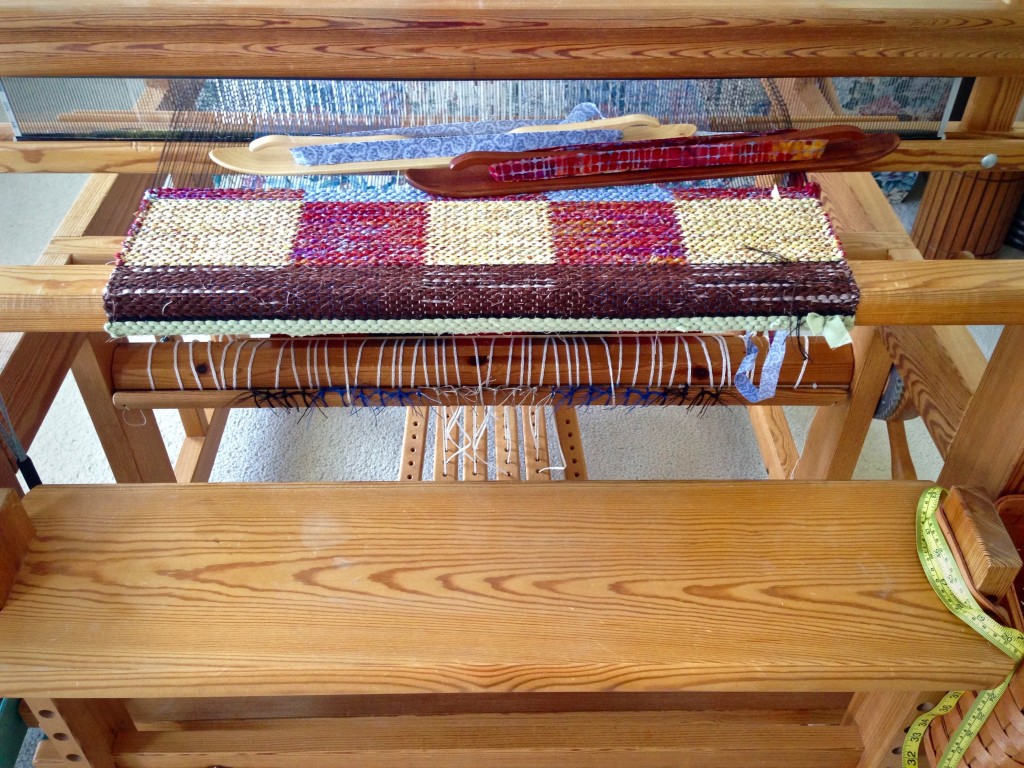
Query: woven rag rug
x,y
393,260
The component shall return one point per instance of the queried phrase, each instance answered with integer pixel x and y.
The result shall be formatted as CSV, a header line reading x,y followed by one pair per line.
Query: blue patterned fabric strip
x,y
579,114
769,371
446,146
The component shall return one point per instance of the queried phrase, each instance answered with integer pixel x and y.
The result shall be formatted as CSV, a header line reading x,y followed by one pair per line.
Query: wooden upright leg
x,y
881,717
82,731
837,433
135,450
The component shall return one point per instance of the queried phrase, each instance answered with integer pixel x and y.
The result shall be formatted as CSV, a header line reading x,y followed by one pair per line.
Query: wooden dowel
x,y
126,156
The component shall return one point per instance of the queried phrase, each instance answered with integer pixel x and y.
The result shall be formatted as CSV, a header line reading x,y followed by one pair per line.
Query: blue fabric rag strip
x,y
446,146
769,371
581,113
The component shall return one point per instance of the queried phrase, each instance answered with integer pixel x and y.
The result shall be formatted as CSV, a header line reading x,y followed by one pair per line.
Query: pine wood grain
x,y
590,740
238,364
233,713
18,534
414,443
132,444
502,38
836,435
989,445
941,368
991,557
774,440
373,588
199,452
571,442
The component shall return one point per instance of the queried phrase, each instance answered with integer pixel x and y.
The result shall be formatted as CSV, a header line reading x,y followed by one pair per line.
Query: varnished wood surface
x,y
510,38
504,362
145,156
568,740
69,298
405,587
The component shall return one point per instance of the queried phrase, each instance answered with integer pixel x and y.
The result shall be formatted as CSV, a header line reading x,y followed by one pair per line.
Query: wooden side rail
x,y
424,624
502,39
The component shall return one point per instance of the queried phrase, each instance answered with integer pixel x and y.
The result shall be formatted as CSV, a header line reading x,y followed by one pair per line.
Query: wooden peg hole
x,y
74,758
47,713
61,736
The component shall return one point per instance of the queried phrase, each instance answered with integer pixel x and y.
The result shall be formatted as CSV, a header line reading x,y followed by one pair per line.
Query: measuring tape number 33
x,y
949,584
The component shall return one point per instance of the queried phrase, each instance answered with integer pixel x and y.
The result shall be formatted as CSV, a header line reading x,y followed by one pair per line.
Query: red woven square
x,y
361,232
616,233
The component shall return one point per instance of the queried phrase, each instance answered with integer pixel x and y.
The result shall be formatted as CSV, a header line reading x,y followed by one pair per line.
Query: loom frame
x,y
56,304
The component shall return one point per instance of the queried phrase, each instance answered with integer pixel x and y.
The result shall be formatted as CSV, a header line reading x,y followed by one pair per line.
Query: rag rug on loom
x,y
393,260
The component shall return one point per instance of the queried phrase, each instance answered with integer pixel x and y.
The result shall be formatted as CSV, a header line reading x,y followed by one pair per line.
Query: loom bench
x,y
151,626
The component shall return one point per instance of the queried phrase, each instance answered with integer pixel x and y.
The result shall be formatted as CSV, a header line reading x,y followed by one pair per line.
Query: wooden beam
x,y
836,435
135,451
509,363
932,293
145,157
504,39
989,445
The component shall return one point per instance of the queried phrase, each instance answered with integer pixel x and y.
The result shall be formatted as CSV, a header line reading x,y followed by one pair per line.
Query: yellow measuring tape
x,y
948,583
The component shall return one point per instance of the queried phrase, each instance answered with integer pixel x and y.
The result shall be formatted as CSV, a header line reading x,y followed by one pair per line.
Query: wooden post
x,y
136,451
16,534
82,730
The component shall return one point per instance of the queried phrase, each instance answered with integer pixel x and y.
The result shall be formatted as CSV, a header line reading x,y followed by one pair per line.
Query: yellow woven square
x,y
464,232
765,231
215,232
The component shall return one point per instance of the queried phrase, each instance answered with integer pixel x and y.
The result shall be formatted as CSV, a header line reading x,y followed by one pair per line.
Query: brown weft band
x,y
507,291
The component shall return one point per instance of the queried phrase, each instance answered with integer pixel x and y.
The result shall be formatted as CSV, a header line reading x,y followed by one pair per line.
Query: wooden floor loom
x,y
545,624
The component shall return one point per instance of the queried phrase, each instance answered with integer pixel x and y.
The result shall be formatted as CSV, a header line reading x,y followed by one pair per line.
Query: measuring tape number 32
x,y
949,584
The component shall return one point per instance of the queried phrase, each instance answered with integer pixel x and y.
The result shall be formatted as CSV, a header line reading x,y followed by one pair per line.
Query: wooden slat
x,y
131,399
144,157
83,731
571,740
496,39
414,444
536,455
571,442
404,587
892,293
222,713
506,440
774,440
